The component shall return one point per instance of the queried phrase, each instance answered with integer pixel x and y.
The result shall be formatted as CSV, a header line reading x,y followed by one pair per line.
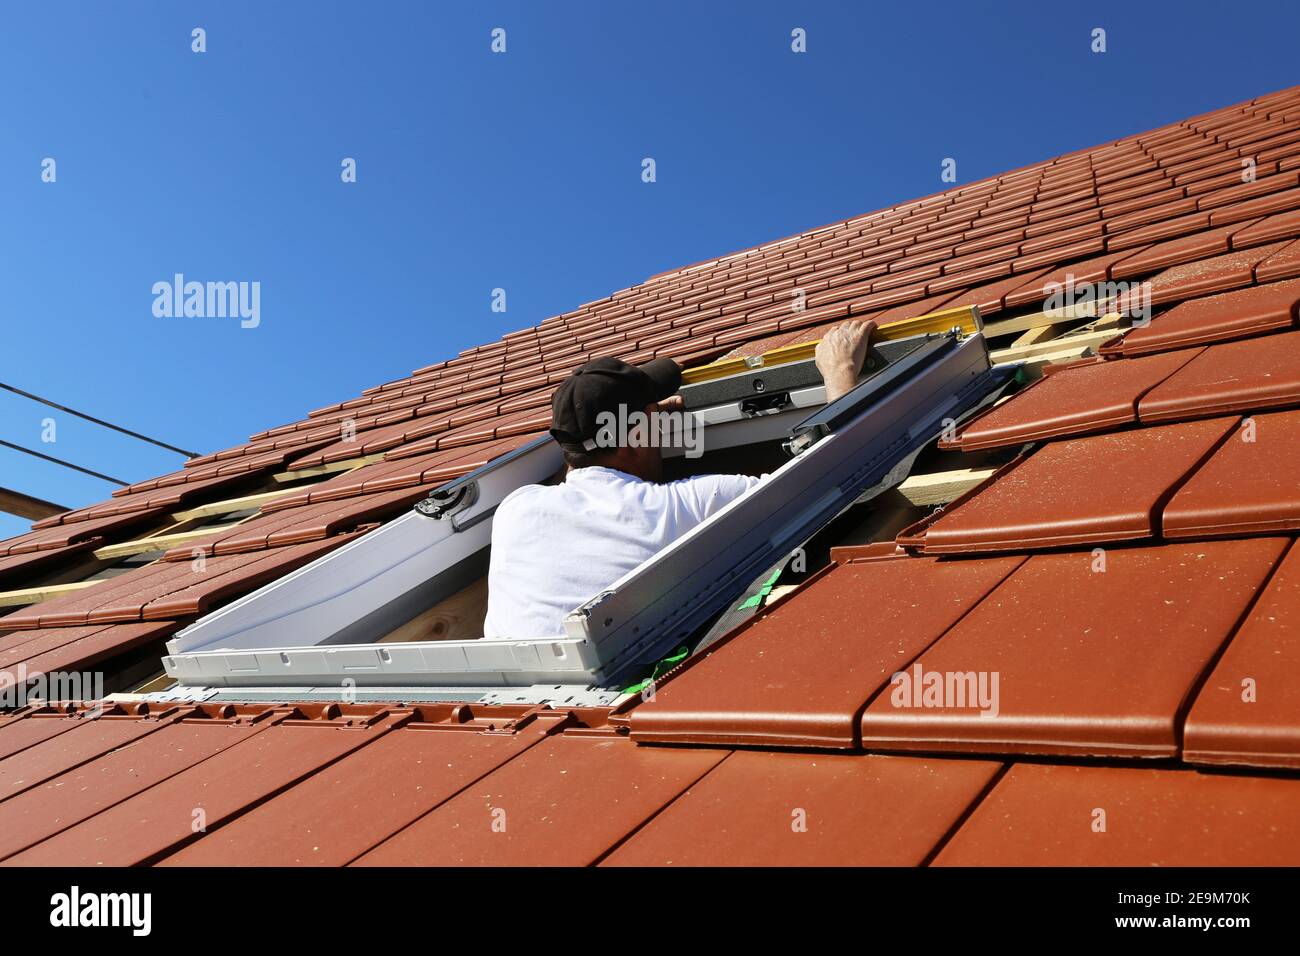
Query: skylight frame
x,y
638,616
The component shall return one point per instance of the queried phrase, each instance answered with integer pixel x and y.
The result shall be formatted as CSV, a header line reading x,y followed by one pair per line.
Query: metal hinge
x,y
445,504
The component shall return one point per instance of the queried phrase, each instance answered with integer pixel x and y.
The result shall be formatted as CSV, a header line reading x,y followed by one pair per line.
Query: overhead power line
x,y
60,461
97,421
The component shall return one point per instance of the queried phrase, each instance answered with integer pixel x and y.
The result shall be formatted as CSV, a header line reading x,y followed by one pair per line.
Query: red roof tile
x,y
62,535
1096,269
14,567
132,507
1250,485
168,747
46,754
771,683
1283,264
791,809
168,590
1105,816
1231,270
1101,488
298,525
28,729
1087,396
1246,711
397,779
1091,656
70,649
1245,375
146,824
1230,315
555,804
1199,245
433,468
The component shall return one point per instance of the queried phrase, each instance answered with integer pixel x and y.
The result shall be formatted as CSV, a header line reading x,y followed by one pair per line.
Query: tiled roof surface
x,y
1129,574
455,785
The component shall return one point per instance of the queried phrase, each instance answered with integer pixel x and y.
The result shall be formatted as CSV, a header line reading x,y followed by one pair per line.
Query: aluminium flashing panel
x,y
771,402
557,695
656,604
554,663
733,423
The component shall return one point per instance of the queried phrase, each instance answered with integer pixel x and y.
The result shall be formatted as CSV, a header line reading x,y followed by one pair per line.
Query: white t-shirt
x,y
555,547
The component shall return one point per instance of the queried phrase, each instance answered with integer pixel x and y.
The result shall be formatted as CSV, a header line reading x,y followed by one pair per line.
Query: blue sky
x,y
478,170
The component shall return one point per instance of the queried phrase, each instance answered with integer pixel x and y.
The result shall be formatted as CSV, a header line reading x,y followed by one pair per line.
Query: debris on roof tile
x,y
1283,264
145,824
397,779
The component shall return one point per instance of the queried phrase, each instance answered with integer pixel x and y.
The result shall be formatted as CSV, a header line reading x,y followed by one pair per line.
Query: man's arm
x,y
840,355
839,358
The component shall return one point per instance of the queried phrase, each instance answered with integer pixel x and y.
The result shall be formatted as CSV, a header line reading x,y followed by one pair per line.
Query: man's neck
x,y
627,468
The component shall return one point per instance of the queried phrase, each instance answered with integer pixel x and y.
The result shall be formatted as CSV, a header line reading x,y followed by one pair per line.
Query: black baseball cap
x,y
603,385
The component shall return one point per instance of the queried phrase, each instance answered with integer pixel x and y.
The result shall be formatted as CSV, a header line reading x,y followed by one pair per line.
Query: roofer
x,y
554,547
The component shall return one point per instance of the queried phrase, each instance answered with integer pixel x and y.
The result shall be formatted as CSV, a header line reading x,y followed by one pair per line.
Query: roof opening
x,y
400,609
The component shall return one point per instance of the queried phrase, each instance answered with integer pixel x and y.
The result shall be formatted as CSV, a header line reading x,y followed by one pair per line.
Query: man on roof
x,y
556,546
